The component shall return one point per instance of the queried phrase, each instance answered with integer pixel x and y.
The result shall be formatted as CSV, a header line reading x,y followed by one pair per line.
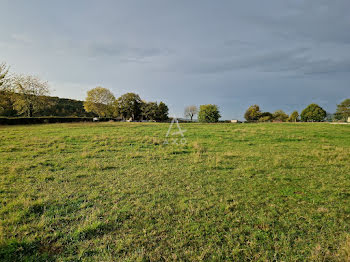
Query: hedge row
x,y
45,120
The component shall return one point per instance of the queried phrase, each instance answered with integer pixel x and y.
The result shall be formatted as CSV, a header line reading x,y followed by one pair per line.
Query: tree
x,y
209,113
65,107
100,101
129,106
343,110
294,117
191,111
4,69
280,115
29,94
313,113
162,112
149,110
265,117
253,113
6,104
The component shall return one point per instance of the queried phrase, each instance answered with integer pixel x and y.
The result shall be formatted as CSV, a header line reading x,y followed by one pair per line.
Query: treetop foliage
x,y
313,113
209,113
343,110
294,117
100,101
253,113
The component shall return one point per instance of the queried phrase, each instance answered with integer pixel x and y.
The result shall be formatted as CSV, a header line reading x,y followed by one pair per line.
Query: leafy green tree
x,y
294,117
253,113
191,111
149,110
129,106
343,110
162,112
280,115
6,104
209,113
100,101
313,113
29,94
265,117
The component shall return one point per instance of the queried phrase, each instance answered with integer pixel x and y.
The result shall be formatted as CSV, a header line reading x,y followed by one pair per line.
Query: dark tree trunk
x,y
30,111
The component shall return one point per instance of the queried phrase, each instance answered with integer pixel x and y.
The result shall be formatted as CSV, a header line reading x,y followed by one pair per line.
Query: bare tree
x,y
4,69
5,92
29,94
191,111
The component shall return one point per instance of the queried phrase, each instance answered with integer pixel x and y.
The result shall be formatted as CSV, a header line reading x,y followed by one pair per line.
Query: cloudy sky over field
x,y
278,54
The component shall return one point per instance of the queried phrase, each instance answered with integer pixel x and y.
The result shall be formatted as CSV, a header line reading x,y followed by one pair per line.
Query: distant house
x,y
234,121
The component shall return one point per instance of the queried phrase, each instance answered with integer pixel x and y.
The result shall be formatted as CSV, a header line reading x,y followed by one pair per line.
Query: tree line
x,y
312,113
25,95
129,106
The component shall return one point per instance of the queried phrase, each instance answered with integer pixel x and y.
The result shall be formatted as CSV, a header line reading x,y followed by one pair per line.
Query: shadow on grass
x,y
93,230
24,251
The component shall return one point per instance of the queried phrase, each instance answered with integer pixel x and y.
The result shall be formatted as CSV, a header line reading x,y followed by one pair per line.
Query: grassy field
x,y
115,192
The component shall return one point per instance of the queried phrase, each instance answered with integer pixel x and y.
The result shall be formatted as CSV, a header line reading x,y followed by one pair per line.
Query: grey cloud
x,y
317,20
293,61
123,51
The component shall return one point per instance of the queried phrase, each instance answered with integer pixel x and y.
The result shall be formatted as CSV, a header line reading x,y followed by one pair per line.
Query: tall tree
x,y
294,117
29,94
162,112
253,113
313,113
149,110
343,110
129,106
209,113
100,101
191,111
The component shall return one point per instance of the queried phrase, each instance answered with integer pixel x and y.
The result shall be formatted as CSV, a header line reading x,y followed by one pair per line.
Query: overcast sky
x,y
278,54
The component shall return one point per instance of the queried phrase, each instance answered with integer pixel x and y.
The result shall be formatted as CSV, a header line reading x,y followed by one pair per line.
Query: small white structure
x,y
234,121
95,119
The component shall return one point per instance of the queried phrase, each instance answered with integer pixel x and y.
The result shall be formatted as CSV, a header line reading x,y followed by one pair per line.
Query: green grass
x,y
115,192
